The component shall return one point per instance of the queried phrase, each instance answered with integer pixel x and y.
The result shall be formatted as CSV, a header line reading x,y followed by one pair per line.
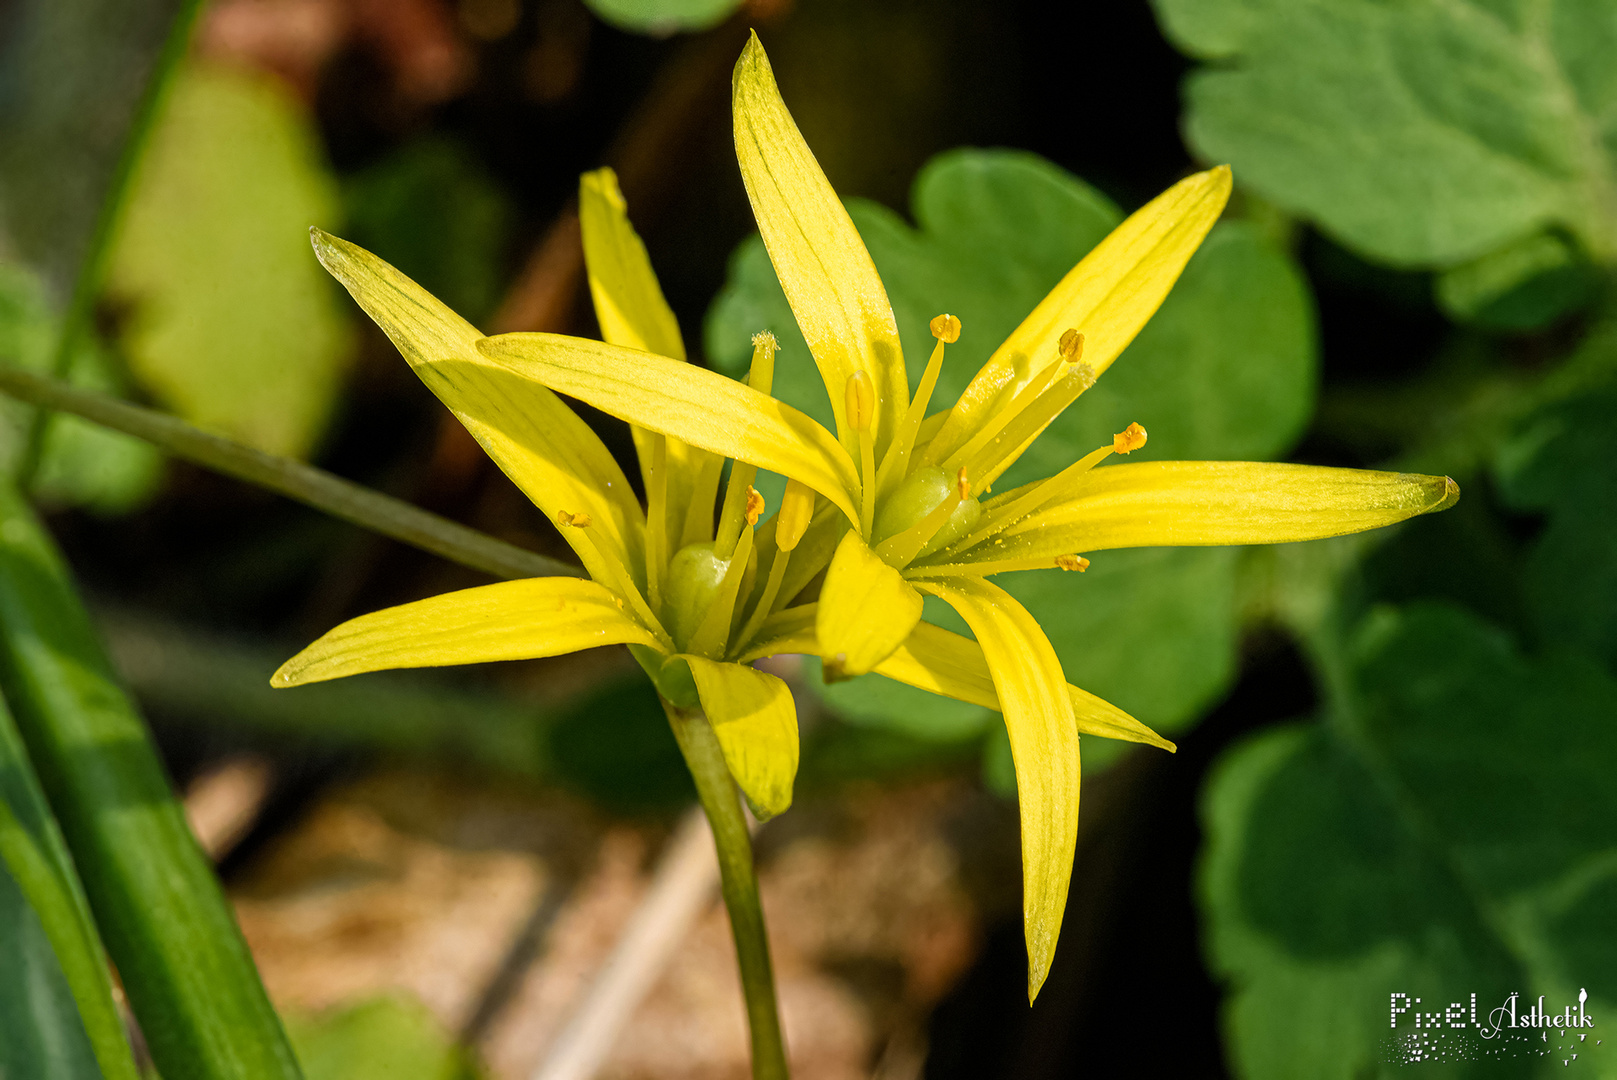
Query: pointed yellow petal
x,y
538,441
1107,297
866,610
756,723
513,620
942,662
690,403
822,263
629,303
1200,503
1044,745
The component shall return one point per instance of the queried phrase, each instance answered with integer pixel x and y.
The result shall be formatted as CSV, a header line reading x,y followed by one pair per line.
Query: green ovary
x,y
922,492
694,576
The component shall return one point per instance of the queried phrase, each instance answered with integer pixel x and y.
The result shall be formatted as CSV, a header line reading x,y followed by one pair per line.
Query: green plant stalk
x,y
738,884
93,268
311,486
34,853
185,967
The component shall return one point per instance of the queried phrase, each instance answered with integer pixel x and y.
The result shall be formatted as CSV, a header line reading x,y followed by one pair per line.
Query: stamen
x,y
860,399
1071,346
755,506
791,522
1072,562
737,501
895,463
962,484
576,521
1129,439
796,511
990,458
657,520
1018,504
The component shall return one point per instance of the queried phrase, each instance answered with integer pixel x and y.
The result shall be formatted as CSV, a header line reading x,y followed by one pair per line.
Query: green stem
x,y
314,487
738,883
93,267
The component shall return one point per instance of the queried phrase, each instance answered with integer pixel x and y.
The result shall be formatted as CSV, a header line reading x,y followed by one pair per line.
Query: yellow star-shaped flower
x,y
889,507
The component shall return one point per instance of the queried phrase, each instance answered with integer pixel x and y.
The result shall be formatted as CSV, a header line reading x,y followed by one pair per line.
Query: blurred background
x,y
1397,766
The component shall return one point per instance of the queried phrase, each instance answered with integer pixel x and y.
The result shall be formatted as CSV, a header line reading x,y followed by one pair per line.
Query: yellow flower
x,y
889,507
903,512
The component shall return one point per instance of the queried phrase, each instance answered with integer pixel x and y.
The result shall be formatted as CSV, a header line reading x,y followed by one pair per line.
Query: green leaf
x,y
1519,287
35,862
1424,133
1226,369
76,74
1564,460
232,323
84,464
660,18
389,1038
1449,830
165,922
40,1032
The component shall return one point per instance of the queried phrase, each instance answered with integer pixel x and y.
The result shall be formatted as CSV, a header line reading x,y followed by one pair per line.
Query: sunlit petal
x,y
822,263
629,304
866,609
512,620
533,436
1044,745
1178,503
690,403
946,663
756,723
1107,297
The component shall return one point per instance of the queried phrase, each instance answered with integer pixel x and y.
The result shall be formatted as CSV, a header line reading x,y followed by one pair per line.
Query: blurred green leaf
x,y
41,1036
1449,830
662,17
430,210
1564,461
84,463
167,927
1424,133
1226,370
73,75
232,323
1519,287
389,1038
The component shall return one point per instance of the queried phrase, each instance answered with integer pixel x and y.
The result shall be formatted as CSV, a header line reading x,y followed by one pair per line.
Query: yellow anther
x,y
1072,346
1072,562
577,521
796,508
1129,439
861,401
755,505
962,484
946,328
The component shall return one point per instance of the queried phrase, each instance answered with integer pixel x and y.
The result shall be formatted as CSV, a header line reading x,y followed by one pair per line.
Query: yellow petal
x,y
533,436
629,303
699,406
1199,503
1044,745
512,620
822,263
1107,297
943,662
866,610
756,723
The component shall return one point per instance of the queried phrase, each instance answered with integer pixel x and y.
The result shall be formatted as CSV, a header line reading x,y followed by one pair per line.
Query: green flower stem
x,y
314,487
738,883
93,267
